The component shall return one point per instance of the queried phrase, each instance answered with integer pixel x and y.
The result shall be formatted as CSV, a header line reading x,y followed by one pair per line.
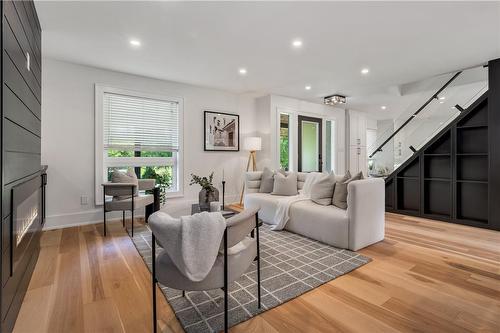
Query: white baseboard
x,y
175,207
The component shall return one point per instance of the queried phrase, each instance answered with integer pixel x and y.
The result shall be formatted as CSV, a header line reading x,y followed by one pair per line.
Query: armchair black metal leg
x,y
104,210
153,279
132,223
123,219
258,260
226,294
183,293
133,190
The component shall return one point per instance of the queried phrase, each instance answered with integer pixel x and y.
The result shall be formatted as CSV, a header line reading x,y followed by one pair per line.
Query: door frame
x,y
319,121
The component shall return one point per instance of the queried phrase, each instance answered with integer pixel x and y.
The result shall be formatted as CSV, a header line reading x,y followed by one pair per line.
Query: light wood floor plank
x,y
426,276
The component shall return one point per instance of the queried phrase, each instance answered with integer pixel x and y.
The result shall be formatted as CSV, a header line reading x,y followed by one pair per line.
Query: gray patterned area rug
x,y
290,266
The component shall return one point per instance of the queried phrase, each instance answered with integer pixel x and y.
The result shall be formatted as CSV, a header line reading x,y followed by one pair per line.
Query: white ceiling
x,y
204,43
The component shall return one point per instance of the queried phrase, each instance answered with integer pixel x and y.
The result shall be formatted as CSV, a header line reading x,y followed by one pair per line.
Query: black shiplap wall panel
x,y
13,79
19,165
13,20
21,131
16,111
25,21
17,139
19,59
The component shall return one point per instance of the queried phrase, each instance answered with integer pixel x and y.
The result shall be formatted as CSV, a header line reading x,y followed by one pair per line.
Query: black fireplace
x,y
26,218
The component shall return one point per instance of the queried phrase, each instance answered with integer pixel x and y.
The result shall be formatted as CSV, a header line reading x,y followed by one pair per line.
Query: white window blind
x,y
140,124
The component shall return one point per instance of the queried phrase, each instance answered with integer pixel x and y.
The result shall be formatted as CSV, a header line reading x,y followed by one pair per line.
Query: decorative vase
x,y
205,197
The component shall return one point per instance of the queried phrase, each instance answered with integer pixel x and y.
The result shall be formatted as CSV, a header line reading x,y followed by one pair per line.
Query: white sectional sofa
x,y
360,225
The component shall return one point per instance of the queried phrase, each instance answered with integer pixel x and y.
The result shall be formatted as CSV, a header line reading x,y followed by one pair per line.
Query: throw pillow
x,y
310,179
128,177
340,192
266,181
285,185
322,190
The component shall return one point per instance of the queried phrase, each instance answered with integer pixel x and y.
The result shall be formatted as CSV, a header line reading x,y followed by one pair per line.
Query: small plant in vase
x,y
208,192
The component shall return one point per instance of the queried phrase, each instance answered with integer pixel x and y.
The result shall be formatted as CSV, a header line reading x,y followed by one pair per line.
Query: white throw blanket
x,y
282,212
191,242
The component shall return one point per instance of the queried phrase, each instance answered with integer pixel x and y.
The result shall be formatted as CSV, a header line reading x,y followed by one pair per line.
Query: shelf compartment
x,y
437,167
472,140
389,194
472,167
478,117
472,201
442,145
408,194
437,198
411,170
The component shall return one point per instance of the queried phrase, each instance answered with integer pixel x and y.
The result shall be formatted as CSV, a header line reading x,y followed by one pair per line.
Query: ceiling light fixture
x,y
335,100
308,87
442,98
365,71
135,42
383,107
243,71
297,43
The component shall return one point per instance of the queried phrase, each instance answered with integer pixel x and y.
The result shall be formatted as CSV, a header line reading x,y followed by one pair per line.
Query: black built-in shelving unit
x,y
456,176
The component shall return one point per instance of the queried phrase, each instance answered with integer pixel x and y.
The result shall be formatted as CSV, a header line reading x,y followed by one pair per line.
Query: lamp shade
x,y
252,143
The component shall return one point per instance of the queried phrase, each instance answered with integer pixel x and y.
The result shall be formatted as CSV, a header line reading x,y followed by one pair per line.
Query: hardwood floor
x,y
425,276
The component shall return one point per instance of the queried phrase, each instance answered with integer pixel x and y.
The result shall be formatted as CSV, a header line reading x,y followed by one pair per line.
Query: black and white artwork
x,y
222,131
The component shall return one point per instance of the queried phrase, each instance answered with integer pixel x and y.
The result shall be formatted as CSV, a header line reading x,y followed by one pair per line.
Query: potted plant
x,y
208,192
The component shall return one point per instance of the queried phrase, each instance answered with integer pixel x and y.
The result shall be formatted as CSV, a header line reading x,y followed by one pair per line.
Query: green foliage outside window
x,y
162,174
284,150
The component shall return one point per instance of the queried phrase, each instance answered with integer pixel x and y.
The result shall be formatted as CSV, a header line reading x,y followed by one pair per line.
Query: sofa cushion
x,y
309,181
128,177
266,181
268,205
322,189
340,192
327,224
285,185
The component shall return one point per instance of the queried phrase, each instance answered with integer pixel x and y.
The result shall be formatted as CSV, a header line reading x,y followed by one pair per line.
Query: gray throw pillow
x,y
266,181
285,185
341,199
340,192
322,189
122,177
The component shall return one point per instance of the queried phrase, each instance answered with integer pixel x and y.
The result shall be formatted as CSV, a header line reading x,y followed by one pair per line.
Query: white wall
x,y
68,136
268,108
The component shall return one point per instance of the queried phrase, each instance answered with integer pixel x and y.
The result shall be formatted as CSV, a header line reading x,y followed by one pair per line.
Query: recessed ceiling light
x,y
365,71
442,98
297,43
243,71
308,87
135,42
383,107
441,102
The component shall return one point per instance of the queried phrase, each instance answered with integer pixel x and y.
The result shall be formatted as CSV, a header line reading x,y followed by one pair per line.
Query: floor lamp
x,y
252,144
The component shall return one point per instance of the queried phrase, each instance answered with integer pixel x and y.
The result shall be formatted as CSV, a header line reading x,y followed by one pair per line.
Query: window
x,y
284,141
139,131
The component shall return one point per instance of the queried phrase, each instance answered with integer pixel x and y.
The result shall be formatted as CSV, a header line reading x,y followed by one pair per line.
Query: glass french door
x,y
310,144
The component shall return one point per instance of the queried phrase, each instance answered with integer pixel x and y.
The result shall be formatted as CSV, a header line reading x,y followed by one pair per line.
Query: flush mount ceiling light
x,y
242,71
135,42
335,100
383,107
308,87
297,43
365,71
442,98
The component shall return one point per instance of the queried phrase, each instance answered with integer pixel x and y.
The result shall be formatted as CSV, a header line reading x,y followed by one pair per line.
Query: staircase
x,y
445,162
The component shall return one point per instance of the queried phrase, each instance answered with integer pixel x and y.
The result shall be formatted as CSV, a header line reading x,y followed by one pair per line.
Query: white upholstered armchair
x,y
238,249
127,197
